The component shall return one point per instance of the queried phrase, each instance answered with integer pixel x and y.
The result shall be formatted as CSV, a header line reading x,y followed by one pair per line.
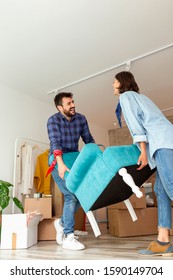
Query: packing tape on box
x,y
14,240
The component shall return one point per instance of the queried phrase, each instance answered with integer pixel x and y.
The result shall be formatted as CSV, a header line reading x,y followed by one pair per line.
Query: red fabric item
x,y
51,167
57,153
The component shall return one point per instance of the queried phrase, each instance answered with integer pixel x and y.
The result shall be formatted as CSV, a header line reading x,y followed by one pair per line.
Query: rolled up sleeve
x,y
133,117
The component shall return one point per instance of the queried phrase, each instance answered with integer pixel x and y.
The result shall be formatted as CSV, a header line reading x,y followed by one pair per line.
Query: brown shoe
x,y
155,249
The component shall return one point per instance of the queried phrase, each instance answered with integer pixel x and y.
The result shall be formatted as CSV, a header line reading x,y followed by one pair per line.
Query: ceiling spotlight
x,y
128,65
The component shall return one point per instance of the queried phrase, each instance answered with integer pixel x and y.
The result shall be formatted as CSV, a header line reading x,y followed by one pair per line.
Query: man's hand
x,y
62,168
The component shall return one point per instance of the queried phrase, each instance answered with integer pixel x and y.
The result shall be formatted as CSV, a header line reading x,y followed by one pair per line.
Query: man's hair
x,y
58,98
127,81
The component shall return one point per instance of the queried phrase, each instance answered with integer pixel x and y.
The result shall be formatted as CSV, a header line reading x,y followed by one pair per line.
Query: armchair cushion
x,y
116,157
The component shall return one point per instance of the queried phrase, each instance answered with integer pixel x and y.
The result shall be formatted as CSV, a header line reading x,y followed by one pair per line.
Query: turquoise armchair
x,y
101,178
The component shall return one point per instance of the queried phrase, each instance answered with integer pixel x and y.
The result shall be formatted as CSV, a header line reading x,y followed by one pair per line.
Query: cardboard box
x,y
57,200
18,232
46,230
121,224
80,218
152,194
40,205
135,201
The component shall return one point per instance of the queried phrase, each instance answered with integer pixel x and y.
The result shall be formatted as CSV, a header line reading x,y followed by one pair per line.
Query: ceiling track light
x,y
127,65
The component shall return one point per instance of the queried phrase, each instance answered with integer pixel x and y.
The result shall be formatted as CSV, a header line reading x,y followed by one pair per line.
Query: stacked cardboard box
x,y
46,230
41,205
121,224
120,221
44,206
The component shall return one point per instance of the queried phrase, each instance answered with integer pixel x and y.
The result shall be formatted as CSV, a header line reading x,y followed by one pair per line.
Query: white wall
x,y
22,115
99,134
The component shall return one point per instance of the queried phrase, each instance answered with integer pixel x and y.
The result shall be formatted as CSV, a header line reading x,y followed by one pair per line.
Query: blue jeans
x,y
71,204
164,186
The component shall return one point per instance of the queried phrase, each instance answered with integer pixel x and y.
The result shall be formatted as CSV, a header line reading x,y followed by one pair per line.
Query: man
x,y
64,130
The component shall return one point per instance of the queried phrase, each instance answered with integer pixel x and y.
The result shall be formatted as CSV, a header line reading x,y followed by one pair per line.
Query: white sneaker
x,y
59,231
71,243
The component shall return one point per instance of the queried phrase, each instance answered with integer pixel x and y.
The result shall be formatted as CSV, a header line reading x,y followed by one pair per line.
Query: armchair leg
x,y
130,209
127,178
93,223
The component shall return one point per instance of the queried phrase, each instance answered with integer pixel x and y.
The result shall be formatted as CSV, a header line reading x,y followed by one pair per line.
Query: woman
x,y
153,134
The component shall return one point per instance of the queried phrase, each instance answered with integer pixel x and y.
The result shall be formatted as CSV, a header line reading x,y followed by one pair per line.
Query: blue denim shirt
x,y
64,135
146,123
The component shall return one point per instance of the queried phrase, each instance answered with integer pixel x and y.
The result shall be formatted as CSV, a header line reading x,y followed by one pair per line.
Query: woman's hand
x,y
142,160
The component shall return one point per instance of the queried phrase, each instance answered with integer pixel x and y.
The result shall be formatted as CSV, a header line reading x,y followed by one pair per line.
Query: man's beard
x,y
70,113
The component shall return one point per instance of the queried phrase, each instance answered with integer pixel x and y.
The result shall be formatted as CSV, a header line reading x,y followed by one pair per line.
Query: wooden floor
x,y
105,247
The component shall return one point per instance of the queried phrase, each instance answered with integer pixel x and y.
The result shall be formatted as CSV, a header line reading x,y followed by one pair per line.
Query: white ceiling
x,y
50,44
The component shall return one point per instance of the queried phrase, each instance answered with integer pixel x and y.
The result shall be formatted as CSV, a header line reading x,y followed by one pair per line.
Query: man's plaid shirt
x,y
64,135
